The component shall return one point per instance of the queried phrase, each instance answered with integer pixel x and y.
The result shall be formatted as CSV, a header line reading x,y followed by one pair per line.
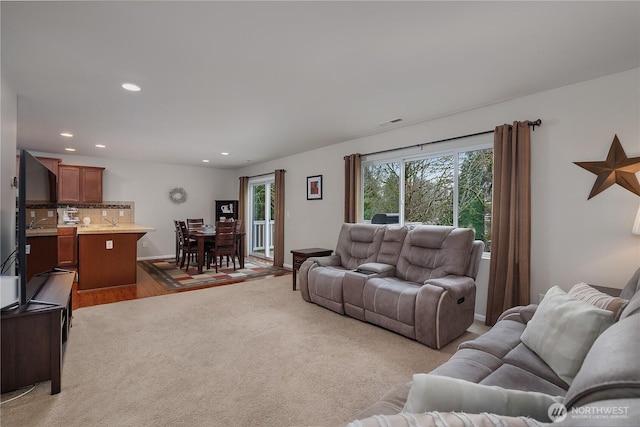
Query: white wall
x,y
573,239
8,115
148,185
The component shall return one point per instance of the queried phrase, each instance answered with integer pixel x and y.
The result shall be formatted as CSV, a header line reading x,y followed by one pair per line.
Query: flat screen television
x,y
36,186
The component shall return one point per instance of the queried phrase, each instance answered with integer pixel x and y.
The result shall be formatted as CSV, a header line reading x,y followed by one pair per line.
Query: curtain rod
x,y
532,123
264,174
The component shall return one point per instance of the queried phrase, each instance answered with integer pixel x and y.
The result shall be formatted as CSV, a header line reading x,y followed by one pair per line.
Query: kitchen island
x,y
107,255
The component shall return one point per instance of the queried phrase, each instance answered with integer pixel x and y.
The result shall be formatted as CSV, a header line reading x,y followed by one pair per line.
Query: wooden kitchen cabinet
x,y
50,163
106,260
79,184
67,247
91,184
42,255
68,184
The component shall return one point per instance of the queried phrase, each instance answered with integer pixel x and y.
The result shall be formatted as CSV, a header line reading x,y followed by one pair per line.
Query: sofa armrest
x,y
614,292
457,286
390,404
444,309
382,270
520,313
326,261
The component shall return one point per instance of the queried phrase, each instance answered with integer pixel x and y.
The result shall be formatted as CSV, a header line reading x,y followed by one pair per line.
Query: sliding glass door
x,y
262,193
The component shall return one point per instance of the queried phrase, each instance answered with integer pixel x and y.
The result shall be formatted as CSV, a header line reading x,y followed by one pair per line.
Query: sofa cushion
x,y
611,369
632,307
524,358
469,364
325,287
358,243
391,245
588,294
435,393
562,330
392,298
517,378
499,340
431,251
496,355
632,287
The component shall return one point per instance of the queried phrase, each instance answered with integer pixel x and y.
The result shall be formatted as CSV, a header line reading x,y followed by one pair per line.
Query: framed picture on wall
x,y
314,187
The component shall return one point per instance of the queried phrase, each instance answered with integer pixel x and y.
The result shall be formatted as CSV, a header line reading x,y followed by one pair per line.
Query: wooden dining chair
x,y
189,247
176,226
238,231
193,223
224,245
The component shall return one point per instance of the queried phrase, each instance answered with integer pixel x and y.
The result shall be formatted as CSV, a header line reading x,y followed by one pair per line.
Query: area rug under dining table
x,y
171,277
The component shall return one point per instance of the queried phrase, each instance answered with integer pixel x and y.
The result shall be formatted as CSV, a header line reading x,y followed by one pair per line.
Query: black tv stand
x,y
34,338
51,304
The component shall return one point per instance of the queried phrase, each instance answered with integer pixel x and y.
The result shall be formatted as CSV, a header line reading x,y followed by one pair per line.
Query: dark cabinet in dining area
x,y
226,209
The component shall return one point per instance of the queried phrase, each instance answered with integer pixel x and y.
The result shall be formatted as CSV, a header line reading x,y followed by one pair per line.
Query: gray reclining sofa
x,y
605,391
417,281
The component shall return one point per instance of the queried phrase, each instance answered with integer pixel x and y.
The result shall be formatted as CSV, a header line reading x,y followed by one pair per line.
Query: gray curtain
x,y
352,173
510,267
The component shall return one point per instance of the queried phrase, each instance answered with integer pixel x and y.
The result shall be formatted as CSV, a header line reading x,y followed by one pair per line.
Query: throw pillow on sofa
x,y
562,331
440,419
589,294
445,394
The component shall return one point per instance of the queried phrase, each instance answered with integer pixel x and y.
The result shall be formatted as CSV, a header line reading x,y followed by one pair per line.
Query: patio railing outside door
x,y
262,238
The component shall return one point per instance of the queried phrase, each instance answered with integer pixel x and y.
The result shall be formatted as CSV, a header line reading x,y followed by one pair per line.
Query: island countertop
x,y
124,227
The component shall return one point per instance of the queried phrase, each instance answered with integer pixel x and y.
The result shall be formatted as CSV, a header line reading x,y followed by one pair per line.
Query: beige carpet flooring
x,y
250,354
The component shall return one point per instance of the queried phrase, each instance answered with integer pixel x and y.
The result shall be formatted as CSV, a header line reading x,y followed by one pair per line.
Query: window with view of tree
x,y
452,189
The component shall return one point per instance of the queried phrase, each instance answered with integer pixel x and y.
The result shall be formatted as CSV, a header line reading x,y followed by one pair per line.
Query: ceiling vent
x,y
390,122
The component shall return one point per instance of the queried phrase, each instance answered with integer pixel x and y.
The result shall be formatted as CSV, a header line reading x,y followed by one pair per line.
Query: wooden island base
x,y
107,260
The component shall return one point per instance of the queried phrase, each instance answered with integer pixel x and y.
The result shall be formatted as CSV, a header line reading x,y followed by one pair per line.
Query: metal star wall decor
x,y
616,169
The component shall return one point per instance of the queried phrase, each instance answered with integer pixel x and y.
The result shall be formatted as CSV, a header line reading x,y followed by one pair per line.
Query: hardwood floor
x,y
144,287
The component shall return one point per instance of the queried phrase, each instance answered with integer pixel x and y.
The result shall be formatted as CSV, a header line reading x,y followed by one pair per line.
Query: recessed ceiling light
x,y
131,87
70,149
101,146
205,161
66,134
224,153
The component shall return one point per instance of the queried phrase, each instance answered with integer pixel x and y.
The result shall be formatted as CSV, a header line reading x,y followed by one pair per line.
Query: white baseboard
x,y
479,317
144,258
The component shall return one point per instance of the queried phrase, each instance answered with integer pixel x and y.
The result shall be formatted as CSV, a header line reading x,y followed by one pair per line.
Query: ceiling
x,y
263,80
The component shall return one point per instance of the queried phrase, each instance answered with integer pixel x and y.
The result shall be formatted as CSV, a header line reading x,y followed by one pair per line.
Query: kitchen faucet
x,y
35,222
111,220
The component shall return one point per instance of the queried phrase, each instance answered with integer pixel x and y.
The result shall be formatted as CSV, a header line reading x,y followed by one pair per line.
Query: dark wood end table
x,y
301,255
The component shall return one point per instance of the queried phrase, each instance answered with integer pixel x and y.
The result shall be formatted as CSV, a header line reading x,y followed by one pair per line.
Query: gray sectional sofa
x,y
417,281
498,379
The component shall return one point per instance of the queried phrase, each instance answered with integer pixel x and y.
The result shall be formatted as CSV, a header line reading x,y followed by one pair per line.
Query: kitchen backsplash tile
x,y
50,214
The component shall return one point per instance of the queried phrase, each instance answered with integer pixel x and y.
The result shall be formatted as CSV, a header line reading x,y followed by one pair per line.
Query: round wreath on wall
x,y
178,195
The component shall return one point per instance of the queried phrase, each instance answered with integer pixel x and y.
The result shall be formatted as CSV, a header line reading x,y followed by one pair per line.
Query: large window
x,y
452,188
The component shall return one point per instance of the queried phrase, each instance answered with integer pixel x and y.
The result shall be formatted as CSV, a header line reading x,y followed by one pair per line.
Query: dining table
x,y
202,236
